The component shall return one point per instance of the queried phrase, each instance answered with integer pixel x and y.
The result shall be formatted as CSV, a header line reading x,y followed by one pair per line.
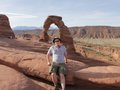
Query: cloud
x,y
17,15
17,19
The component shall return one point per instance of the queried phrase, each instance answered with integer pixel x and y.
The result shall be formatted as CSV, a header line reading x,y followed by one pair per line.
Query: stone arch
x,y
63,29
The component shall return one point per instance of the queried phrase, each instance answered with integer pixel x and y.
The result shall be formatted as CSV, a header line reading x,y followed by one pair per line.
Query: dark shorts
x,y
58,68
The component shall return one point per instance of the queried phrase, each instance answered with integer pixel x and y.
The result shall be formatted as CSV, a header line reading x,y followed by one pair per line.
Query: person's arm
x,y
49,53
48,59
65,57
65,54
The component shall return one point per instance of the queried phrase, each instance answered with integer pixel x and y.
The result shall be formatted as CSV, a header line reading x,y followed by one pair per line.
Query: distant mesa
x,y
26,28
83,32
5,28
95,32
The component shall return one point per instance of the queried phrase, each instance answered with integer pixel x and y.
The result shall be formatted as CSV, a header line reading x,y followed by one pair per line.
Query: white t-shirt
x,y
58,53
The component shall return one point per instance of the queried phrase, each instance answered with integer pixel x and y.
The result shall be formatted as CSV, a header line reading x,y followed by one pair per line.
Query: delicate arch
x,y
64,32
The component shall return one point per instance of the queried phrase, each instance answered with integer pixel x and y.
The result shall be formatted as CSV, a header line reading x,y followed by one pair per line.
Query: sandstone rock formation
x,y
11,79
85,32
5,29
64,32
22,55
95,32
106,54
101,74
35,64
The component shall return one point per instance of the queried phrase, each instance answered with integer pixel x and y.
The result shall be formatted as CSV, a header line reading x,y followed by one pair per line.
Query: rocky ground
x,y
26,57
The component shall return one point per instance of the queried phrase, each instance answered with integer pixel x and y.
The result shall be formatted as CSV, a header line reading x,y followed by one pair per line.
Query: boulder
x,y
109,75
11,79
5,29
27,36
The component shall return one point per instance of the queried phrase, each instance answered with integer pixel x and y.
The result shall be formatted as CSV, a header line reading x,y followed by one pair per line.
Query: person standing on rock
x,y
58,63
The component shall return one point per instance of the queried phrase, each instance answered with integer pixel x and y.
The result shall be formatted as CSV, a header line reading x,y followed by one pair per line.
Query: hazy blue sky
x,y
74,12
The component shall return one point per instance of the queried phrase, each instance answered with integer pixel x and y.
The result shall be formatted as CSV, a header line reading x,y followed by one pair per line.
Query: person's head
x,y
57,41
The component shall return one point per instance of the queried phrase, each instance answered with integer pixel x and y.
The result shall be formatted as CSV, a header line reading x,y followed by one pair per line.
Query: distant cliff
x,y
83,32
95,32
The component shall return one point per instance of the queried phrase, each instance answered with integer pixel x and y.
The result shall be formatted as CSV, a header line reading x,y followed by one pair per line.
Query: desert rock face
x,y
64,32
95,32
87,32
104,53
35,64
101,74
10,79
20,55
5,29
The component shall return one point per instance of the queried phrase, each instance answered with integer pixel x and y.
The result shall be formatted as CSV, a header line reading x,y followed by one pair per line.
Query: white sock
x,y
63,86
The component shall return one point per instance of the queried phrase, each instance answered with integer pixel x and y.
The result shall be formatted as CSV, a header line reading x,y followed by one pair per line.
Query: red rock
x,y
11,79
95,32
5,29
109,75
35,64
64,32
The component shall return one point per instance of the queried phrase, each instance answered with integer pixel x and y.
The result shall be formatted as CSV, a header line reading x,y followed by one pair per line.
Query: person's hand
x,y
66,62
49,63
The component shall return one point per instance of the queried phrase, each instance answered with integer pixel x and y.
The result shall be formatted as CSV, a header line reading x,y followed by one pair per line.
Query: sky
x,y
73,12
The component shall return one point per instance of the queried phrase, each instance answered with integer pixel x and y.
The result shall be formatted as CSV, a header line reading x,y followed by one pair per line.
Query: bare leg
x,y
54,78
62,79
